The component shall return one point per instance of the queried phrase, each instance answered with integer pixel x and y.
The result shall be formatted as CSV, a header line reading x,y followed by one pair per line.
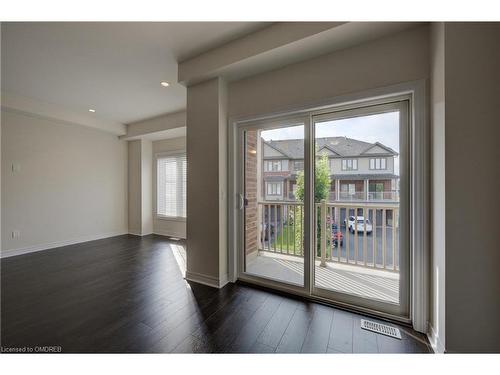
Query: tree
x,y
322,181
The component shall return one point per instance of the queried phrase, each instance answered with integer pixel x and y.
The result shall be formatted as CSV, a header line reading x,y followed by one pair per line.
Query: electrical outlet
x,y
16,234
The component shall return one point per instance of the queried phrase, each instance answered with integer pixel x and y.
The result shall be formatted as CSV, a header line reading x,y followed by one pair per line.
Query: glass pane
x,y
274,209
357,206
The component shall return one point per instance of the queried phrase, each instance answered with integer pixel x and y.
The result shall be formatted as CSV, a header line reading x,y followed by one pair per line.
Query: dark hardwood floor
x,y
127,294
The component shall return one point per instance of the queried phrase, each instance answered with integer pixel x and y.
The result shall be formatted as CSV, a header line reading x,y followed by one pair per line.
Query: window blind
x,y
171,189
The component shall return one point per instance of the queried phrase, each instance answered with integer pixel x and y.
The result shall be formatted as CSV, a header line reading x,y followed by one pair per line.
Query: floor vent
x,y
380,328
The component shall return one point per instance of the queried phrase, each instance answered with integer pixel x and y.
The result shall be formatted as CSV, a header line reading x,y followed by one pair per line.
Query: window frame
x,y
300,164
157,157
269,166
380,159
353,162
278,185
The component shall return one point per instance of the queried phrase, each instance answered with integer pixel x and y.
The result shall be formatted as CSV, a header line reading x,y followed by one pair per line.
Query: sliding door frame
x,y
416,91
398,104
267,124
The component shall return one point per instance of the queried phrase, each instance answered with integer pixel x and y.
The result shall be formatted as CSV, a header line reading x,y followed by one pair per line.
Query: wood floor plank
x,y
248,335
318,335
295,333
272,333
341,332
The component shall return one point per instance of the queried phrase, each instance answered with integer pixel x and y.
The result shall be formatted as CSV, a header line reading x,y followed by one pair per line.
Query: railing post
x,y
259,226
323,233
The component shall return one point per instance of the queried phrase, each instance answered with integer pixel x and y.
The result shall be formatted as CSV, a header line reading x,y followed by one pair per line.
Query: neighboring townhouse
x,y
360,171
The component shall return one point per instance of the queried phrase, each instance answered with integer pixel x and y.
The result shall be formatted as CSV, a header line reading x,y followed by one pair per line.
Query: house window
x,y
298,165
273,188
378,163
272,166
349,164
348,189
171,186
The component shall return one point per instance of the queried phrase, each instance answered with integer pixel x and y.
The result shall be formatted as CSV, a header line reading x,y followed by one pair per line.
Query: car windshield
x,y
360,220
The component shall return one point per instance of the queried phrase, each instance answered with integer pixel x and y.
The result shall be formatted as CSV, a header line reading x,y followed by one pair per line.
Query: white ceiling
x,y
114,68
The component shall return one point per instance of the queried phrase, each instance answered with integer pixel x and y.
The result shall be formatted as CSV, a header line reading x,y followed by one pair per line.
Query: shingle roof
x,y
342,146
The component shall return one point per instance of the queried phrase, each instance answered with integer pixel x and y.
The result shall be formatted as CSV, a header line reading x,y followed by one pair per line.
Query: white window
x,y
349,189
171,186
273,188
349,164
272,166
378,163
299,165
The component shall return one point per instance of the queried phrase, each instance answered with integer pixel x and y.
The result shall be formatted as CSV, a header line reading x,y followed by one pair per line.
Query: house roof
x,y
339,146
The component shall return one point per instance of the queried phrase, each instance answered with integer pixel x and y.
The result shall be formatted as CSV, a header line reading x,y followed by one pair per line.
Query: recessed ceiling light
x,y
92,110
164,83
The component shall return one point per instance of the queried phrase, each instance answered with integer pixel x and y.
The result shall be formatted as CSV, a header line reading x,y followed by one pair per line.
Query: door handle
x,y
243,202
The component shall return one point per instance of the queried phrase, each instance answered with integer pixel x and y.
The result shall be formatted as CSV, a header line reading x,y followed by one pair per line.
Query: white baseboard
x,y
134,233
223,280
32,249
206,280
170,233
435,341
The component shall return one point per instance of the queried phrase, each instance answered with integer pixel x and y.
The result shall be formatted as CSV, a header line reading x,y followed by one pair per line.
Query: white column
x,y
140,190
366,189
206,154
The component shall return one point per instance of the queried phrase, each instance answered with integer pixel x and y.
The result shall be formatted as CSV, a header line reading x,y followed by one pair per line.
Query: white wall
x,y
71,185
163,226
398,58
147,186
472,95
140,187
438,191
168,121
207,182
134,187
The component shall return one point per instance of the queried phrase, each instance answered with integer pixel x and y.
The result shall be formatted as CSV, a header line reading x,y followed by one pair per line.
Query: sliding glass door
x,y
323,205
361,207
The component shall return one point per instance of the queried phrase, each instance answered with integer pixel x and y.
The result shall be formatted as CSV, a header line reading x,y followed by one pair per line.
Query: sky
x,y
383,128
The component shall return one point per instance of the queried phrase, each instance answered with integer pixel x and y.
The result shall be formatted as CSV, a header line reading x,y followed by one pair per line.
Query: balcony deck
x,y
369,283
